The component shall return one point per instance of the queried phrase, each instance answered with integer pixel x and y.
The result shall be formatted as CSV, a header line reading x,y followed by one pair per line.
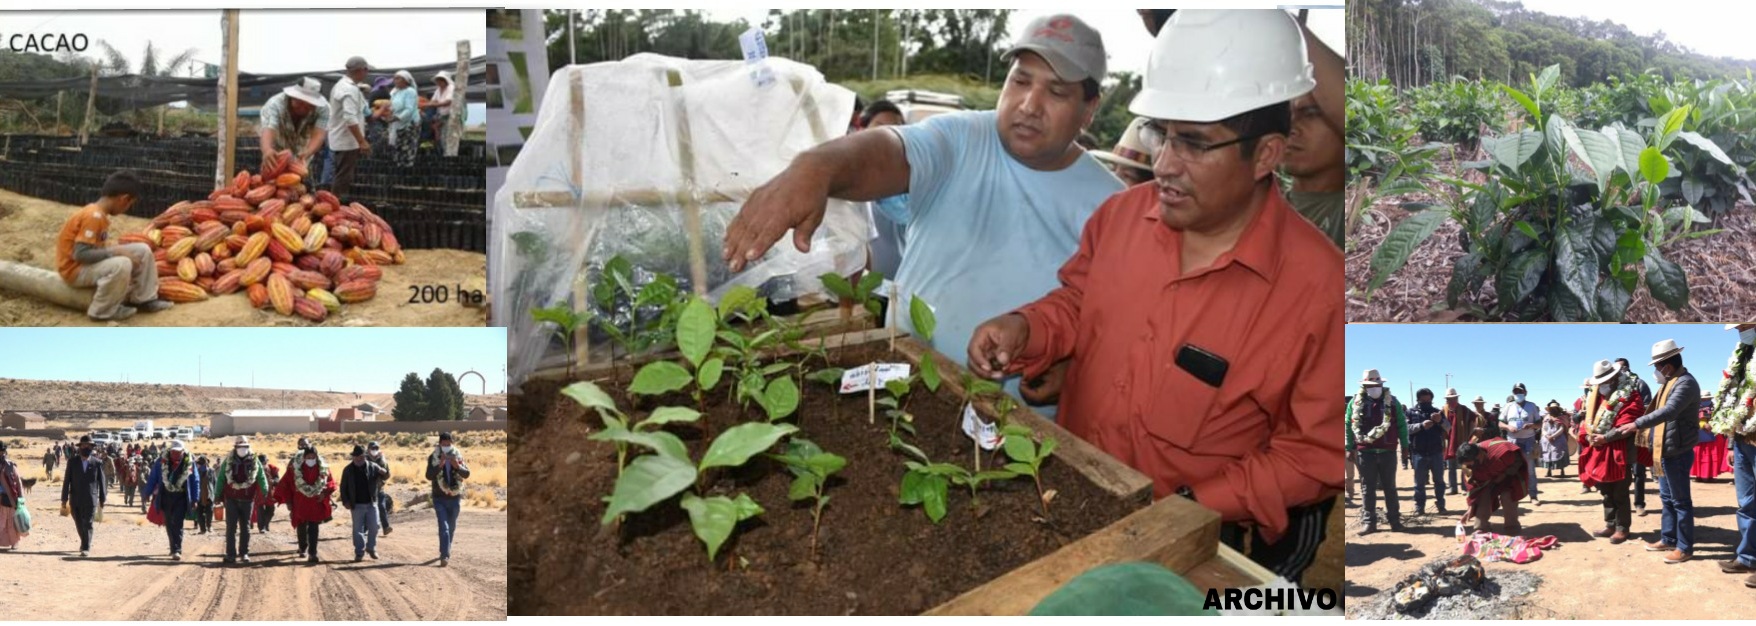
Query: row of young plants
x,y
759,361
1568,222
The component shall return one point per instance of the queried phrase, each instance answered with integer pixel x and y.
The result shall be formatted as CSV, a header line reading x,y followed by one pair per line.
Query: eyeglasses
x,y
1155,138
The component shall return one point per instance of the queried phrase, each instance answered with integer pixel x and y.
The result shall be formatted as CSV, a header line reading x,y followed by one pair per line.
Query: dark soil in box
x,y
874,555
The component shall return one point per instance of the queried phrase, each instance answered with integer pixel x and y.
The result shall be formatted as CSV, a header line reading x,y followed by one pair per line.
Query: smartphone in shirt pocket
x,y
1193,380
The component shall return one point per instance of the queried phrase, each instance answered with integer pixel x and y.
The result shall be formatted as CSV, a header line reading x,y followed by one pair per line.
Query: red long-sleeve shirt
x,y
1269,437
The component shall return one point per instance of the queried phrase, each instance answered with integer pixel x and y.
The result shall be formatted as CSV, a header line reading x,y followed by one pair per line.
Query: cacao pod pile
x,y
291,251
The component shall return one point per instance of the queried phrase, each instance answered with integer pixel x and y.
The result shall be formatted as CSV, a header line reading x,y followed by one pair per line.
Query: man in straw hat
x,y
1460,423
174,487
347,126
295,119
1376,424
1732,416
1520,419
1604,455
1129,160
997,199
1669,431
1163,276
239,483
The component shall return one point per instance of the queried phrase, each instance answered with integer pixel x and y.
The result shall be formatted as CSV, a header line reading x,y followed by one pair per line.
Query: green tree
x,y
411,400
444,398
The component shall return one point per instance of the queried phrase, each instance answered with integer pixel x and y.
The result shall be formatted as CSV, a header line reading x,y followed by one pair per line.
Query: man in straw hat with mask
x,y
1669,430
1217,383
175,487
295,119
1460,424
1604,455
996,199
1376,424
1733,416
239,483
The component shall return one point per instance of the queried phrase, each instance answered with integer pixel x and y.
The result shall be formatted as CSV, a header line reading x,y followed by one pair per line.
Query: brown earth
x,y
90,396
27,235
129,576
1584,577
875,556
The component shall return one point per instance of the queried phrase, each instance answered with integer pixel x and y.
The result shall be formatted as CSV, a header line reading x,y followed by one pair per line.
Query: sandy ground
x,y
1584,577
130,576
27,231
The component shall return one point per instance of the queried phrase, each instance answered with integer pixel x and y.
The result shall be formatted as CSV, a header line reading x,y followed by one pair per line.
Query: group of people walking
x,y
1621,427
245,488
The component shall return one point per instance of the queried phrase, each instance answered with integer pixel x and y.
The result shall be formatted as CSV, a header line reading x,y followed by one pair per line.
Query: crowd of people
x,y
245,489
1186,324
1622,429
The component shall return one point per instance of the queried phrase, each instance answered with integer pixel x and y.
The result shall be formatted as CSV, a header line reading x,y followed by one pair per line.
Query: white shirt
x,y
444,94
347,108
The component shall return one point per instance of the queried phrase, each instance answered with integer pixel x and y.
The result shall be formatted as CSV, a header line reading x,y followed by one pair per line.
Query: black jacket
x,y
83,485
1681,411
359,483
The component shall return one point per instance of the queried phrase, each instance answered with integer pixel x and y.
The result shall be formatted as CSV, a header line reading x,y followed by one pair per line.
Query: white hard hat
x,y
1208,65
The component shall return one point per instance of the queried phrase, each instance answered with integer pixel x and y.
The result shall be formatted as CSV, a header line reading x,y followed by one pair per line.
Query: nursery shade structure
x,y
650,158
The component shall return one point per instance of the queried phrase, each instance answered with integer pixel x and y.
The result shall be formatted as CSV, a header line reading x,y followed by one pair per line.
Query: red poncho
x,y
1607,463
306,508
1499,459
1463,423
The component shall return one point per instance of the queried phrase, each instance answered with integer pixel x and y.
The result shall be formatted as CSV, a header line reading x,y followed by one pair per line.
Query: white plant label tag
x,y
861,378
755,46
985,434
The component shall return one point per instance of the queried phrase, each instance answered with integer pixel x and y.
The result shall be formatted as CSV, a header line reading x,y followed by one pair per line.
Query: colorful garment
x,y
1606,463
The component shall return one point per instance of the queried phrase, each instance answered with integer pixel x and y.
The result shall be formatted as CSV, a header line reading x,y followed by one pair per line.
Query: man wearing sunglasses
x,y
1205,314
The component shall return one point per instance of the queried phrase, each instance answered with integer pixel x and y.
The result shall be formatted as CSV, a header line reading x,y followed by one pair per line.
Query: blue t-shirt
x,y
986,234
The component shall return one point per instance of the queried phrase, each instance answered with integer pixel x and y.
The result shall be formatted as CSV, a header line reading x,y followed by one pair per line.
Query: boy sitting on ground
x,y
127,271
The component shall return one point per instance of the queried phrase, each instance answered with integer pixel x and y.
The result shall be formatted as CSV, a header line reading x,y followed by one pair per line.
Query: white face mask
x,y
310,462
243,452
1519,396
1748,336
445,450
1374,392
1605,389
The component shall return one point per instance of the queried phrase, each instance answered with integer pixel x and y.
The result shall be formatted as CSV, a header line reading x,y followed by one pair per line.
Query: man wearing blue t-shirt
x,y
996,199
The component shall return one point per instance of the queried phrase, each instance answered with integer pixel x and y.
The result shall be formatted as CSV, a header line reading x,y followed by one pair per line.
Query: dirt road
x,y
1583,577
130,576
27,235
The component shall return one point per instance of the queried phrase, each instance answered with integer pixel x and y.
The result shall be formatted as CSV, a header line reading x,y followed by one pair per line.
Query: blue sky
x,y
1550,359
365,360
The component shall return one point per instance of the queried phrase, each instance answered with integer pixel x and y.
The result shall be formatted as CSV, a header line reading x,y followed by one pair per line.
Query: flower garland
x,y
450,491
175,484
1606,415
1735,392
313,489
1379,431
243,486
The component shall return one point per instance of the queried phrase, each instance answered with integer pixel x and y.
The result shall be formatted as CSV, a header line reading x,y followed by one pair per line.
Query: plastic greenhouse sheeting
x,y
623,152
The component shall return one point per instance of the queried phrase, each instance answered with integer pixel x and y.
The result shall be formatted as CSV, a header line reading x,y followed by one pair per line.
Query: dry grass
x,y
482,498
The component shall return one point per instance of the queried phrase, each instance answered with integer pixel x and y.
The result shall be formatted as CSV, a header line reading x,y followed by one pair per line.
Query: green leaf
x,y
1706,145
590,396
619,272
659,377
1402,241
804,487
708,376
1019,448
1546,80
646,481
1047,448
1520,276
927,490
897,388
987,475
873,307
1597,151
781,398
561,315
1022,469
738,443
921,317
930,372
914,452
695,330
1666,281
886,402
827,376
1629,145
1526,228
776,368
665,444
1524,101
981,386
1612,300
1576,266
1653,166
735,300
660,292
1671,124
670,415
713,518
839,286
868,282
825,464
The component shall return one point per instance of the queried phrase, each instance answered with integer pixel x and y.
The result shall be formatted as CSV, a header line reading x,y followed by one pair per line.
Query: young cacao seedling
x,y
694,333
1027,457
654,478
921,316
567,323
811,468
623,431
858,293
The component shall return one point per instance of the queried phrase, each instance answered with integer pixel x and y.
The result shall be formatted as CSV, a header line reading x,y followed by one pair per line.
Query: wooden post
x,y
91,103
459,99
691,204
582,335
58,112
226,138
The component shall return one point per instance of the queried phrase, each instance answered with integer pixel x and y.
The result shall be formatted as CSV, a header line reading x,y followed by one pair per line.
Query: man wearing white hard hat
x,y
996,199
1668,432
1733,416
1207,315
239,484
295,119
1614,401
1376,424
1129,160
